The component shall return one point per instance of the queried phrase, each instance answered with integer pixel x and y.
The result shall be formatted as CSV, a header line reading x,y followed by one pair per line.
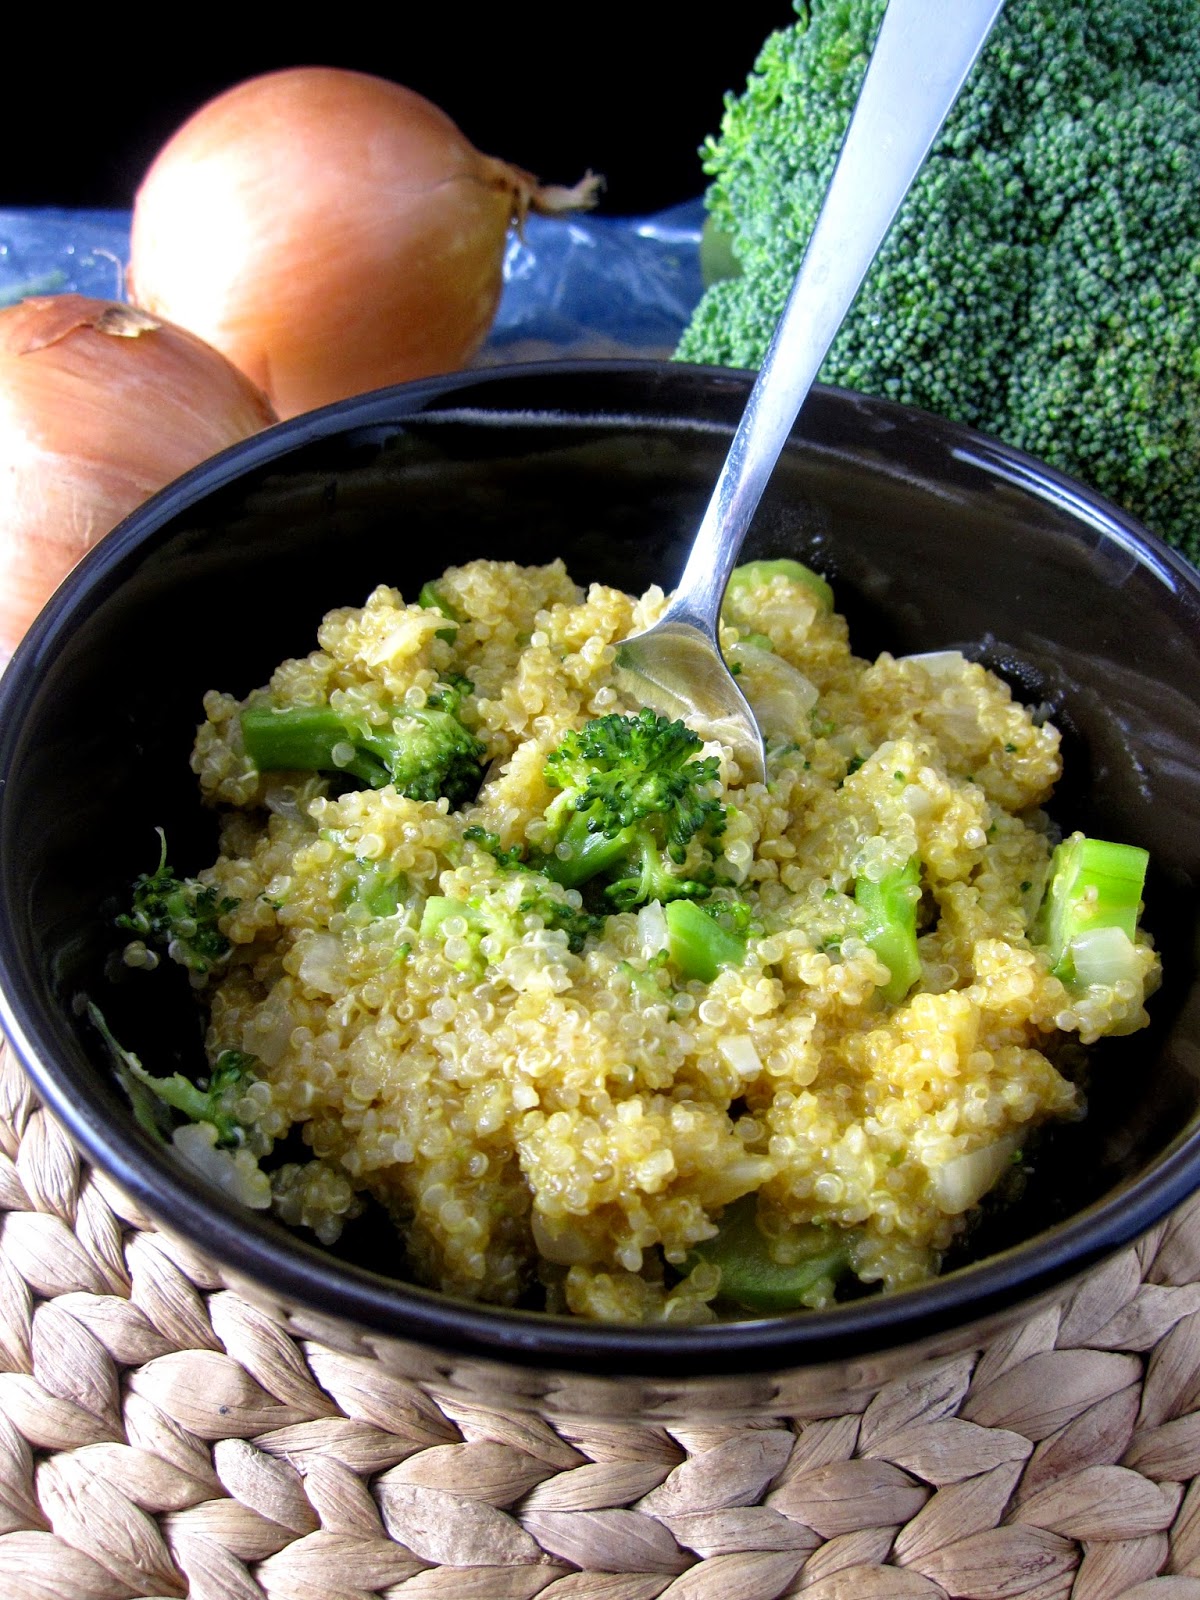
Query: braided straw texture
x,y
160,1436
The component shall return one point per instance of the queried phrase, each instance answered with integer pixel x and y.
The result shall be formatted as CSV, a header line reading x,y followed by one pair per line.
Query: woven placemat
x,y
161,1436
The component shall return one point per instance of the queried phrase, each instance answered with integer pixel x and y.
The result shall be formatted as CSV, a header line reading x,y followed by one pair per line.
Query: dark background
x,y
629,91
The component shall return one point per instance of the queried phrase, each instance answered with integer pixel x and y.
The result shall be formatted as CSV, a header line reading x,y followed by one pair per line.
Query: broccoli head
x,y
633,794
1042,280
179,916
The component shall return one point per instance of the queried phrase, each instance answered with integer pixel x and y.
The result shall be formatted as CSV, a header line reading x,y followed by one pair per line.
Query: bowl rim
x,y
281,1264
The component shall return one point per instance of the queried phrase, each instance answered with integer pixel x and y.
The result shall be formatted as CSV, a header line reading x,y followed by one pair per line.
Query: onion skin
x,y
331,232
100,407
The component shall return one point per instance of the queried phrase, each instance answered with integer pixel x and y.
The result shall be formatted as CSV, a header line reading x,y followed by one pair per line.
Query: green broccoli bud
x,y
1065,180
634,793
513,857
179,916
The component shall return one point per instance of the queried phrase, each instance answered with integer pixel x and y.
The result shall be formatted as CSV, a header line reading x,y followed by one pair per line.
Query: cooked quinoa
x,y
539,1121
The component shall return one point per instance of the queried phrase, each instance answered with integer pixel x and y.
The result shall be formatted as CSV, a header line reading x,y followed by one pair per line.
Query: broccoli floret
x,y
1042,280
426,751
576,923
179,916
212,1100
482,919
541,897
633,794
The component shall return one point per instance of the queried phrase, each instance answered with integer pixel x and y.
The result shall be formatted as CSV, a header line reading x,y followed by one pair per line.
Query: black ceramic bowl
x,y
932,536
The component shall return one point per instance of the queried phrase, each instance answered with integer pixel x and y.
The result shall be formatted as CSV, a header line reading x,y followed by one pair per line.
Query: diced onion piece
x,y
962,1182
1105,956
652,928
323,965
235,1172
780,696
940,663
738,1051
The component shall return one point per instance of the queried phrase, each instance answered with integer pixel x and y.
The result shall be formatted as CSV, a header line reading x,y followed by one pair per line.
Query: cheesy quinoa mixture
x,y
558,1096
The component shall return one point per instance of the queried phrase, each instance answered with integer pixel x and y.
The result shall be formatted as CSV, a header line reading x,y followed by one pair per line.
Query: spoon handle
x,y
923,53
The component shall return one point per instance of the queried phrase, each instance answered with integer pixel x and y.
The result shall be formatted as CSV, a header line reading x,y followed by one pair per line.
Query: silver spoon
x,y
922,55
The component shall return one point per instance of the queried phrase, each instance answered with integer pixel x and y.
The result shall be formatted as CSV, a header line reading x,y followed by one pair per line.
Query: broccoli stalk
x,y
425,752
889,908
697,943
634,793
179,916
753,1279
751,575
211,1101
377,890
1089,916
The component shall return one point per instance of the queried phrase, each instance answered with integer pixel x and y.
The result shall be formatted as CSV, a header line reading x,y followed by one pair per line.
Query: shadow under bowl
x,y
933,537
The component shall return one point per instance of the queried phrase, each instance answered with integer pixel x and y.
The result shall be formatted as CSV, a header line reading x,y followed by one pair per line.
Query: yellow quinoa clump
x,y
539,1120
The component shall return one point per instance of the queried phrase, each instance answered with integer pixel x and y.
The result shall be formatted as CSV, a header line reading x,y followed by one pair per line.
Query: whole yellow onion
x,y
101,405
330,232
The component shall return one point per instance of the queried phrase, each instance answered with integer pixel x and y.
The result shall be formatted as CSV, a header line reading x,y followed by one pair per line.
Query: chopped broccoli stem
x,y
1093,885
379,891
210,1102
439,908
751,575
644,980
698,945
426,753
303,739
582,854
753,1279
179,916
890,928
647,878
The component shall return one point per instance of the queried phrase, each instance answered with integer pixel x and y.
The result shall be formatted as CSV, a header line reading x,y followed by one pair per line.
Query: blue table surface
x,y
586,285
